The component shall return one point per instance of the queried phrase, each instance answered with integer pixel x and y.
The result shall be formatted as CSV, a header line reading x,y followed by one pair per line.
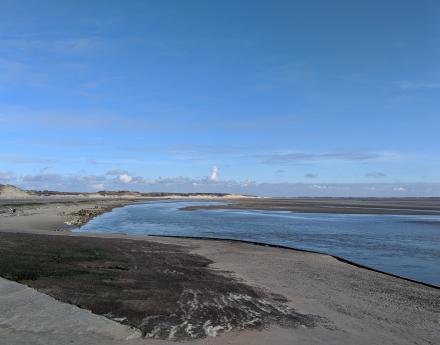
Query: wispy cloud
x,y
14,72
116,172
60,119
417,85
45,178
27,160
206,184
264,156
291,73
310,175
101,119
375,174
75,45
63,142
7,177
278,158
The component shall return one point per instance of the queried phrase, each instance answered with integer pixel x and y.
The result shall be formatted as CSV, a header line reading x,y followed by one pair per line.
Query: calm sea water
x,y
408,246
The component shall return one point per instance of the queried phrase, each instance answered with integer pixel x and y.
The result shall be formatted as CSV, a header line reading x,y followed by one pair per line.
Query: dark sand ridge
x,y
348,304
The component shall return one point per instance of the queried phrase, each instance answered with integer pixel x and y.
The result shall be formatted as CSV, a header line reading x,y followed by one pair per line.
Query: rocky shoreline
x,y
84,215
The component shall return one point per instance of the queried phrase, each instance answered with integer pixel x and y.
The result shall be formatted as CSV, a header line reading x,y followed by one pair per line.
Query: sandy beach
x,y
279,296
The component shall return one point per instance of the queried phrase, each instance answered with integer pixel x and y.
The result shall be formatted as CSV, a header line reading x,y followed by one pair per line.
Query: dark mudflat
x,y
162,289
403,206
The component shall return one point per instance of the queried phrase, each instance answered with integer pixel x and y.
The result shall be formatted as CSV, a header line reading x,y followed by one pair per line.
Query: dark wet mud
x,y
161,289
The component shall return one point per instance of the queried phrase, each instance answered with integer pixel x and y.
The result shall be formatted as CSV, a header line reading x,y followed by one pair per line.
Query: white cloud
x,y
338,186
121,176
182,184
214,174
399,189
125,178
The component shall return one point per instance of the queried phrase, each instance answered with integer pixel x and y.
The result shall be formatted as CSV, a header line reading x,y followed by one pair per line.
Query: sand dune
x,y
8,191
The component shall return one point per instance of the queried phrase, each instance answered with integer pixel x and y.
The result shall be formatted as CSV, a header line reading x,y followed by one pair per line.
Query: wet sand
x,y
300,297
412,206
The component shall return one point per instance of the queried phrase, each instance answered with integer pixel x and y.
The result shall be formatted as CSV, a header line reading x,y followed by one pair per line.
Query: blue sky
x,y
282,97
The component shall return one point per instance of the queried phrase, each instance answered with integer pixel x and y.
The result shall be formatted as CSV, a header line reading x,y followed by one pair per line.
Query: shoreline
x,y
339,258
361,305
82,216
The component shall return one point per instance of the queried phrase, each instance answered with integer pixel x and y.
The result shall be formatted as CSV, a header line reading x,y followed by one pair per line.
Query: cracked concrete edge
x,y
23,309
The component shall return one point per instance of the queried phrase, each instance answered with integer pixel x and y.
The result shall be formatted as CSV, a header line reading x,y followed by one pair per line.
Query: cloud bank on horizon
x,y
289,98
122,180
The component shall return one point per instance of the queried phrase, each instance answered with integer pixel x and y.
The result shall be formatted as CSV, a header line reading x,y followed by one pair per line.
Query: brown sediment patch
x,y
162,289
